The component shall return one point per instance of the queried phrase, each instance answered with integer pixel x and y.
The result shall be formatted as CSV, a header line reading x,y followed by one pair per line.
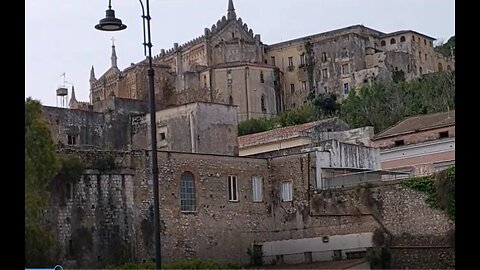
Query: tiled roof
x,y
279,133
418,123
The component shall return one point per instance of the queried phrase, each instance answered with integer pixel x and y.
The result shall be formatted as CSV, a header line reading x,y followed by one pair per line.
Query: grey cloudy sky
x,y
60,35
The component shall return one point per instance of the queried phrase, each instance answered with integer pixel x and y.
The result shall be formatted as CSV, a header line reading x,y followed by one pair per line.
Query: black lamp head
x,y
110,23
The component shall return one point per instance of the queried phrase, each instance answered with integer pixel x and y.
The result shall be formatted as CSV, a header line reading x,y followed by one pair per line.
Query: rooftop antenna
x,y
62,92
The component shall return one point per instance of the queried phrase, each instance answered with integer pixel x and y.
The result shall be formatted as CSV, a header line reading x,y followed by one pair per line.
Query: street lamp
x,y
110,23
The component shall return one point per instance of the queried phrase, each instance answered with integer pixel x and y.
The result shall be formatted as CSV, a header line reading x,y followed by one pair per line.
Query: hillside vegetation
x,y
378,105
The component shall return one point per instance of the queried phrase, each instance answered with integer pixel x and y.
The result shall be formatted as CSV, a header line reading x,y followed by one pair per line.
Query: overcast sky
x,y
60,35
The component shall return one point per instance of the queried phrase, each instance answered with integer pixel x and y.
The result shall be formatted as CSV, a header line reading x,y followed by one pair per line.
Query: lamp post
x,y
110,23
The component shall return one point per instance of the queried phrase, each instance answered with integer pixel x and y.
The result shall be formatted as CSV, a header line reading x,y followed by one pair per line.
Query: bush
x,y
190,264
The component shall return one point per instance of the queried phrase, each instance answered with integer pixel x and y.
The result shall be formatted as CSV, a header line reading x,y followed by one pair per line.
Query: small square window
x,y
162,136
443,134
399,142
71,140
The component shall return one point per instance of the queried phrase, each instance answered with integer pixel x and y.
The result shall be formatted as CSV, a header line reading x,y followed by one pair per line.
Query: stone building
x,y
230,64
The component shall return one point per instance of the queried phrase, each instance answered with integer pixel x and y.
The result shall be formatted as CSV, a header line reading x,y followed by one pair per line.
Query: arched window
x,y
420,70
402,39
383,43
187,192
440,67
230,101
262,101
392,41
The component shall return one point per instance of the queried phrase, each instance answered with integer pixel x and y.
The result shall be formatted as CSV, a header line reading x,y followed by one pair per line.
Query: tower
x,y
62,93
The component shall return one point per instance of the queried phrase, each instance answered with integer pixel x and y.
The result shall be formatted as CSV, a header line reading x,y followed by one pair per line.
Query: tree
x,y
326,105
447,49
41,166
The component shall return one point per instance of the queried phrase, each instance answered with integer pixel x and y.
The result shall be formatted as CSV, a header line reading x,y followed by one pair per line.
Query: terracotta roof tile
x,y
418,123
278,133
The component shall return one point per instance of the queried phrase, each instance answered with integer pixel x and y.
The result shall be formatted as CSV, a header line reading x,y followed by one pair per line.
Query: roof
x,y
418,123
241,64
407,31
279,133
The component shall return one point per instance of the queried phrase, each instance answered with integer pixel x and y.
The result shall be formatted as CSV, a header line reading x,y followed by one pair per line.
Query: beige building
x,y
419,145
230,64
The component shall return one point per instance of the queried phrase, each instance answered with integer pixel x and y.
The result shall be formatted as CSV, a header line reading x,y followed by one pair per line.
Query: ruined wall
x,y
190,128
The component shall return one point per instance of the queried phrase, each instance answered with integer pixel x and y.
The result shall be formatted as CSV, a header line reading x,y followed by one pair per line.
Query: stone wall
x,y
110,214
92,219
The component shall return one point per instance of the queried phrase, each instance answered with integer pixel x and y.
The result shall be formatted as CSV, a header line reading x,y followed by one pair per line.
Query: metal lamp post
x,y
110,23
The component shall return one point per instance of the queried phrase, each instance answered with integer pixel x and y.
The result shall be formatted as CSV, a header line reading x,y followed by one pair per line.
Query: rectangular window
x,y
272,60
344,52
302,59
443,134
71,140
345,69
325,73
324,57
292,88
257,189
399,142
345,88
162,136
287,194
232,188
425,57
290,61
304,85
262,80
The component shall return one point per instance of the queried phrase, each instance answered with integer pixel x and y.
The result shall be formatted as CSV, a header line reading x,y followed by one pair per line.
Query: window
x,y
425,57
233,35
324,57
325,73
383,43
287,195
344,52
345,88
440,67
302,59
402,39
273,60
290,61
232,188
71,139
413,38
420,55
304,85
449,68
162,136
424,42
325,89
262,101
230,100
399,142
187,192
292,88
257,189
345,69
204,81
392,41
420,70
443,134
262,80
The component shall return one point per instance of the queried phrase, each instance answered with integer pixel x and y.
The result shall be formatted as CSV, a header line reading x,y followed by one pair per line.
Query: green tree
x,y
326,105
40,167
448,48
